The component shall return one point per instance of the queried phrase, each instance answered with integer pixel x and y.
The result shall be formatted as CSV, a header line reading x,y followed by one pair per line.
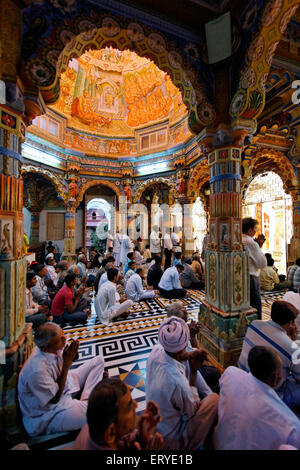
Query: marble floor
x,y
126,344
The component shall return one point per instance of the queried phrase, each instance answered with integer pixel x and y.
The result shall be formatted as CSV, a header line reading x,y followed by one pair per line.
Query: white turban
x,y
174,334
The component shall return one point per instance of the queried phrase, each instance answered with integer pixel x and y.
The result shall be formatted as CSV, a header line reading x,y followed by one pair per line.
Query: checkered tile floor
x,y
126,344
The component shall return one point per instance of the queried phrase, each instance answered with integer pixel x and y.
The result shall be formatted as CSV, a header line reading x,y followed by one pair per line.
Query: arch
x,y
270,160
249,100
57,181
76,35
146,184
200,174
91,183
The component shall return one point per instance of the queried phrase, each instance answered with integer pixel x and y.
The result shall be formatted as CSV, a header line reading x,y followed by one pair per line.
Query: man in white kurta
x,y
186,420
126,247
117,248
155,242
169,284
134,287
251,414
108,304
39,384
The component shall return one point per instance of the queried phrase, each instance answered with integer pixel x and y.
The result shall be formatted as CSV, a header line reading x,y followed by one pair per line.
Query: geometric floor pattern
x,y
126,344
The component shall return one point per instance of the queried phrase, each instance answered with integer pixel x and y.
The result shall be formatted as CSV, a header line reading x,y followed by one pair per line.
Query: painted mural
x,y
112,93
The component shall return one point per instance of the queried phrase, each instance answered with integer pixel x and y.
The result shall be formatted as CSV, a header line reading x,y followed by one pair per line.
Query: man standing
x,y
175,240
155,242
126,247
257,260
117,248
168,248
46,386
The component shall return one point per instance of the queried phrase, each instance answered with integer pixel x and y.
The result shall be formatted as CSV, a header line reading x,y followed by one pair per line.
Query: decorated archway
x,y
58,181
267,202
43,67
141,187
90,183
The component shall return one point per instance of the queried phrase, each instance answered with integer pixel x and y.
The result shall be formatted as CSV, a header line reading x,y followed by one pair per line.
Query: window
x,y
47,124
55,226
153,139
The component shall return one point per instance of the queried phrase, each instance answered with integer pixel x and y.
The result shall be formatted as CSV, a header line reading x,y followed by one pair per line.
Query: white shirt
x,y
31,307
294,299
103,279
257,259
39,291
106,301
269,333
52,273
167,242
126,247
168,385
139,259
154,242
134,287
37,386
110,241
170,279
252,416
128,275
117,242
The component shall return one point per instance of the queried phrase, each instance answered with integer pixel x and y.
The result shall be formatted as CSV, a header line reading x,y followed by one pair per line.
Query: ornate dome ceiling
x,y
113,93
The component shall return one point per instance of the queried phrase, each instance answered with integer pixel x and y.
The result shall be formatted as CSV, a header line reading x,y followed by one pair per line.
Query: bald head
x,y
177,309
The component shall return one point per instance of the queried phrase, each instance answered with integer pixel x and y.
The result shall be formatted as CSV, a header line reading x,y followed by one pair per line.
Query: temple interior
x,y
117,118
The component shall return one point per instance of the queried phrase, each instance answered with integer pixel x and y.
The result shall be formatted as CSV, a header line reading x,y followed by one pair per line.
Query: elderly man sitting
x,y
47,387
187,420
251,415
134,287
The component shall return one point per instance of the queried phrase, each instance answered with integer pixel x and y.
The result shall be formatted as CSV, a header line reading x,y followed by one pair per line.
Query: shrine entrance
x,y
268,203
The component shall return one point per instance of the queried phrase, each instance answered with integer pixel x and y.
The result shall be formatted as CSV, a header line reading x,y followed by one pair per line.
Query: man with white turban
x,y
176,387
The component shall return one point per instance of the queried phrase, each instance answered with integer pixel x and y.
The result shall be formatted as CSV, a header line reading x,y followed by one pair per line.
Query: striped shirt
x,y
291,272
270,334
296,278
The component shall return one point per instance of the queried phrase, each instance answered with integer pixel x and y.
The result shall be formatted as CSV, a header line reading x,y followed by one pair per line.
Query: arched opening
x,y
199,224
100,203
44,213
267,201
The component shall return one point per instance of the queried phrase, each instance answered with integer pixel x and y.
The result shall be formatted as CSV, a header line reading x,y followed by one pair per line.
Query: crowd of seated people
x,y
190,405
254,407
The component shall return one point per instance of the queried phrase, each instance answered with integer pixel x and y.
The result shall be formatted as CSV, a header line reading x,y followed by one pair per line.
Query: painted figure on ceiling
x,y
84,109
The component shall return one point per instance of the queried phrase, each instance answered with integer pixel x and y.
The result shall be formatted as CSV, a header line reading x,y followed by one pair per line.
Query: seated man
x,y
139,259
147,253
65,304
99,274
130,257
111,421
187,277
34,313
134,287
46,386
269,279
103,278
294,299
209,373
108,304
187,420
110,252
130,272
40,290
177,258
81,265
251,415
279,333
197,267
155,273
169,285
64,266
291,271
51,273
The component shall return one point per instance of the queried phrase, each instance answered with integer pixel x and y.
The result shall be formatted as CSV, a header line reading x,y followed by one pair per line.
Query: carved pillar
x,y
70,230
294,247
225,314
35,226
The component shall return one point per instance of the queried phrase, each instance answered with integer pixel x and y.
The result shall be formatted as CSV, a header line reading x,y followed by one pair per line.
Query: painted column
x,y
226,312
187,226
294,247
35,227
70,231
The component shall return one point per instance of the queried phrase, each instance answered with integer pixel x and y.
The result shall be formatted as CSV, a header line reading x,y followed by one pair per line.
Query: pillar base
x,y
222,334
